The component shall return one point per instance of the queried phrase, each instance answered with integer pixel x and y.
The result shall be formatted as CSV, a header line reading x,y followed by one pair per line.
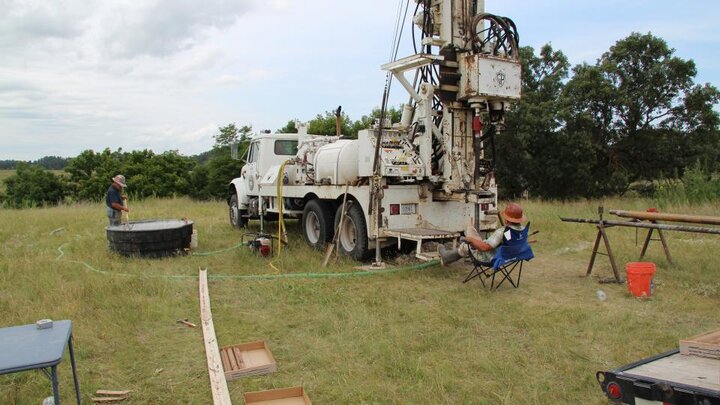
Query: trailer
x,y
667,378
422,178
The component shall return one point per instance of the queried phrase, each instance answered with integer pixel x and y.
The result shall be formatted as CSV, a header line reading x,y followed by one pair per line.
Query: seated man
x,y
514,218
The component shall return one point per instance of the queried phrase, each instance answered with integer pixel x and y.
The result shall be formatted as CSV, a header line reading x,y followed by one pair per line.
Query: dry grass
x,y
407,337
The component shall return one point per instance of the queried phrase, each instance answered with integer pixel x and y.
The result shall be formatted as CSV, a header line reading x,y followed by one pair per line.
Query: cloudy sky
x,y
165,74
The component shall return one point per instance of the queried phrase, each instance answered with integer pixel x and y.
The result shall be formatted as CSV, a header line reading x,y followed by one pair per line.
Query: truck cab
x,y
264,152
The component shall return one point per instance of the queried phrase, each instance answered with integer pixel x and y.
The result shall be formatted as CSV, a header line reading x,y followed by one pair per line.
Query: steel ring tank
x,y
151,238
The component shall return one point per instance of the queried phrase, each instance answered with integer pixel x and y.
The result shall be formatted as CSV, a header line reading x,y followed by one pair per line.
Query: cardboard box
x,y
705,345
252,358
282,396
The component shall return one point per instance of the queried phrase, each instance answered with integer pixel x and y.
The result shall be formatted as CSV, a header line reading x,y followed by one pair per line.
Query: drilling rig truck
x,y
423,178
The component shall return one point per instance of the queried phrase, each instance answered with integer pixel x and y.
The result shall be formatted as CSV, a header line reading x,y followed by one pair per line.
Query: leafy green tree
x,y
326,124
8,164
90,173
51,162
289,128
366,121
32,186
230,134
642,109
163,175
211,179
532,152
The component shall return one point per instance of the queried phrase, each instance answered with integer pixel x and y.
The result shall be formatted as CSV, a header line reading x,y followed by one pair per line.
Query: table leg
x,y
56,391
74,369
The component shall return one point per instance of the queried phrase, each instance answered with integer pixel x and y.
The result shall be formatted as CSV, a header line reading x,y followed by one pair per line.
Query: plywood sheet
x,y
282,396
678,368
705,345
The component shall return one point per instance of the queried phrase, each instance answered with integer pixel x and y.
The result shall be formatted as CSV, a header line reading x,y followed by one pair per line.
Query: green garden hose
x,y
416,267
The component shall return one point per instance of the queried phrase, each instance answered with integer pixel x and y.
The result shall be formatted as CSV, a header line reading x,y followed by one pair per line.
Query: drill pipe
x,y
646,225
657,216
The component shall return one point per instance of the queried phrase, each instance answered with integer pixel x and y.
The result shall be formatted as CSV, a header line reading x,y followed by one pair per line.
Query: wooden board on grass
x,y
282,396
244,359
705,345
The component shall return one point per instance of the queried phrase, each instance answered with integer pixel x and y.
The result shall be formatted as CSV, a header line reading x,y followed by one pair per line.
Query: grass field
x,y
415,336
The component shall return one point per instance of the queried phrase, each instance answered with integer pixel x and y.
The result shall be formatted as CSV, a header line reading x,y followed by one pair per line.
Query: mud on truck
x,y
423,178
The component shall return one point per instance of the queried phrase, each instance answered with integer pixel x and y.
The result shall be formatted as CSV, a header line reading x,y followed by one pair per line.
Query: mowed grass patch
x,y
415,336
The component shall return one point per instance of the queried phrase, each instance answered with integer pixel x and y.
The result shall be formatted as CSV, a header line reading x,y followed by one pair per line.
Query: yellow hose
x,y
281,221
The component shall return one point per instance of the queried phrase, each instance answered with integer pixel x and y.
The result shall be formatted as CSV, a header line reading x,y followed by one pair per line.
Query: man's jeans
x,y
113,216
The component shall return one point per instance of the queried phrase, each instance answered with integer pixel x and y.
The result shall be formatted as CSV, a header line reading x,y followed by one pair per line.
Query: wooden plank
x,y
225,360
678,368
233,359
218,384
111,393
105,400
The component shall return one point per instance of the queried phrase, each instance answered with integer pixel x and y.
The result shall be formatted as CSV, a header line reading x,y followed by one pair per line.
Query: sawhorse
x,y
603,235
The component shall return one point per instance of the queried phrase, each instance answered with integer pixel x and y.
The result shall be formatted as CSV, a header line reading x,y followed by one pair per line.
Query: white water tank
x,y
337,161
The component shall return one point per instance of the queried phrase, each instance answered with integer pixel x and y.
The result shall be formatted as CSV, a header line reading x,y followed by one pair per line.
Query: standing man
x,y
514,218
114,200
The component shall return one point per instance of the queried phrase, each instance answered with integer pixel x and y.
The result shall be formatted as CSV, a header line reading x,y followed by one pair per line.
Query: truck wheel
x,y
317,223
236,219
353,235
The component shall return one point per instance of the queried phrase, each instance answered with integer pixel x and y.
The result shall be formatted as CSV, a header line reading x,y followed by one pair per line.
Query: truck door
x,y
251,176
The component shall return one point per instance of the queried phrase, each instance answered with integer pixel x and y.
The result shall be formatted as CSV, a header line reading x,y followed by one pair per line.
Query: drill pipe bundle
x,y
646,225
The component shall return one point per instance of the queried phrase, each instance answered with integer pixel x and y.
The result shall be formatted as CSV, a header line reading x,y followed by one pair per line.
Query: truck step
x,y
421,235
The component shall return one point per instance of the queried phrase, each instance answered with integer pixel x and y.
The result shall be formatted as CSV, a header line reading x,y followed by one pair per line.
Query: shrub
x,y
32,186
697,186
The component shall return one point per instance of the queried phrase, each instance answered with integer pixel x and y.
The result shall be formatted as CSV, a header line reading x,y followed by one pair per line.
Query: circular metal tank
x,y
150,238
337,161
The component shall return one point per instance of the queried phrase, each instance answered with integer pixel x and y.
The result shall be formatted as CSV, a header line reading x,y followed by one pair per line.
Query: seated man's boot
x,y
448,256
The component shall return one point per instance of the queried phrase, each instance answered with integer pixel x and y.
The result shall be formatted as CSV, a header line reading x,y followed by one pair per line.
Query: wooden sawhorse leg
x,y
602,234
648,238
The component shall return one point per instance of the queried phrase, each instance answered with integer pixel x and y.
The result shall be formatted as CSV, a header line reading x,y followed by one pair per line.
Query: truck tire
x,y
353,239
317,223
236,215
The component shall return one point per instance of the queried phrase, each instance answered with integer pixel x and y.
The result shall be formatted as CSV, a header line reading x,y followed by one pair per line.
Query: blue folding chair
x,y
509,257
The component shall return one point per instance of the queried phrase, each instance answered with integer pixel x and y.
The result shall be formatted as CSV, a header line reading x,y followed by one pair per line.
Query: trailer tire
x,y
236,214
317,223
353,239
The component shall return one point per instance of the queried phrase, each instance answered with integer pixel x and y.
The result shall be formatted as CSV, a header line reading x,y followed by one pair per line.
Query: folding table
x,y
29,348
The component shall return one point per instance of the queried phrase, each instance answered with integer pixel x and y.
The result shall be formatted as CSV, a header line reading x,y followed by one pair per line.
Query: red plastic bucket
x,y
640,278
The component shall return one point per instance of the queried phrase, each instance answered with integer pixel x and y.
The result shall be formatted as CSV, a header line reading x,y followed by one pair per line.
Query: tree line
x,y
47,162
634,117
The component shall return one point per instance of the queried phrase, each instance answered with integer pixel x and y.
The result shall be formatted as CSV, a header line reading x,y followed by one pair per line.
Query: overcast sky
x,y
165,74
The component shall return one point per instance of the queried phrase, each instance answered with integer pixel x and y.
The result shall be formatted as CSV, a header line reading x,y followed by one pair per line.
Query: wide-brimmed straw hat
x,y
120,179
514,213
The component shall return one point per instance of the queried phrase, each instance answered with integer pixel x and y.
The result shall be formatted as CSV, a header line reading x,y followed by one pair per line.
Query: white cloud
x,y
165,74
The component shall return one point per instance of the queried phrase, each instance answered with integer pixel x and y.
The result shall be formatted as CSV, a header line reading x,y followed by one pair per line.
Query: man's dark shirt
x,y
112,196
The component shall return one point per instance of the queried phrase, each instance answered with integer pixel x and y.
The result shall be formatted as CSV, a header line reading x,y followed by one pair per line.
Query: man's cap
x,y
120,179
514,213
